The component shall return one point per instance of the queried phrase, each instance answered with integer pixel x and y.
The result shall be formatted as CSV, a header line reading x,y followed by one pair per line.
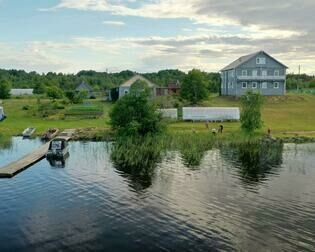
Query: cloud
x,y
114,23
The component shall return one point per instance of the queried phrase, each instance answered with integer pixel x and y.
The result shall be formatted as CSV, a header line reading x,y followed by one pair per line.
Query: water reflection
x,y
5,143
137,160
58,162
255,160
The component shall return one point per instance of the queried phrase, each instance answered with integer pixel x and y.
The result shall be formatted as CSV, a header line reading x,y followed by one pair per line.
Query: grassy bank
x,y
289,116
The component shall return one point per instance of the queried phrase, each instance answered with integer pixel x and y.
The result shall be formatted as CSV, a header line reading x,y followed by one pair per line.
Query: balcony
x,y
261,78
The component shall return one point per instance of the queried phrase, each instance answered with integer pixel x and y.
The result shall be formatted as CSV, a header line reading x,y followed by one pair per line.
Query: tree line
x,y
100,81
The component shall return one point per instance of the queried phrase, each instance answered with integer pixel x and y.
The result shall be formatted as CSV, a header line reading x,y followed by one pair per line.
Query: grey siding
x,y
275,73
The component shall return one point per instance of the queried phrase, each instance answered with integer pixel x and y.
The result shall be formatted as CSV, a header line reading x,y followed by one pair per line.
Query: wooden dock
x,y
16,167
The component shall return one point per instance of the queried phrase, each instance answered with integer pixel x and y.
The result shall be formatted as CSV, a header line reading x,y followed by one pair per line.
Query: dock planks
x,y
16,167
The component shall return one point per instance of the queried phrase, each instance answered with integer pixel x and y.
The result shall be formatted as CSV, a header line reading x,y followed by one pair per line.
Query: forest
x,y
100,81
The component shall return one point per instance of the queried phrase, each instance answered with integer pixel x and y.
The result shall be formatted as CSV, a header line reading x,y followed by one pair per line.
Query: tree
x,y
135,115
54,92
5,89
251,112
194,87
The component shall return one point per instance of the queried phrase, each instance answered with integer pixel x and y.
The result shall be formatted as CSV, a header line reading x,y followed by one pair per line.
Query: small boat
x,y
28,132
58,148
50,134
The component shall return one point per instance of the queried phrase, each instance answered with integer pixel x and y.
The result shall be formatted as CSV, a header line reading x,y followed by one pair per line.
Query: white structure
x,y
169,113
20,92
125,87
211,114
2,115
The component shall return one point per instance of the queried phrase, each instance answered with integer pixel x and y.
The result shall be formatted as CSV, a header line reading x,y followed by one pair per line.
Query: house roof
x,y
84,86
240,61
135,78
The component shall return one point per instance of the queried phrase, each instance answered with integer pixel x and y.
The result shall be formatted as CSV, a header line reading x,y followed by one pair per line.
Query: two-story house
x,y
258,72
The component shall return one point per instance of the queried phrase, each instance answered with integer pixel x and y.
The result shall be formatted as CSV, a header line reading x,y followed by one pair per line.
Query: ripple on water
x,y
220,204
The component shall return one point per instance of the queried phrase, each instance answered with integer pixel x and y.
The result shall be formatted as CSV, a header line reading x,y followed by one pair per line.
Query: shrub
x,y
251,112
135,115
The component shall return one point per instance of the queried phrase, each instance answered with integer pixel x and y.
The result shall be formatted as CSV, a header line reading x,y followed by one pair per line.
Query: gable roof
x,y
135,78
240,61
84,86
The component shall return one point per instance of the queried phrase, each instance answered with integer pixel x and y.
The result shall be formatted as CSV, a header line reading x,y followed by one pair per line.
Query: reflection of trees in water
x,y
193,148
5,143
256,159
137,160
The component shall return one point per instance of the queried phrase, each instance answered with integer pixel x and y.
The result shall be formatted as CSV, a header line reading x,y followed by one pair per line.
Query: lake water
x,y
234,199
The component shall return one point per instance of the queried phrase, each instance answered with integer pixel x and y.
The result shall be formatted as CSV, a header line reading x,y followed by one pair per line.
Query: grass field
x,y
290,115
19,119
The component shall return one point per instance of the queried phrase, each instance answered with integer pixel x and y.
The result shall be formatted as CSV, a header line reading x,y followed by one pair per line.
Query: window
x,y
126,91
276,73
264,85
231,84
260,61
264,72
254,85
244,84
276,84
244,72
254,72
232,73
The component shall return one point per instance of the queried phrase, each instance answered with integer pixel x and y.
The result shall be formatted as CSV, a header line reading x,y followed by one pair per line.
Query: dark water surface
x,y
235,200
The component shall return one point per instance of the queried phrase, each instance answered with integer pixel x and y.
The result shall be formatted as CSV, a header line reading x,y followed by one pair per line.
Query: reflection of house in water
x,y
255,160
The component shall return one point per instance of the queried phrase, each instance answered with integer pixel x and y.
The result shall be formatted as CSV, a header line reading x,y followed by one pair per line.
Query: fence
x,y
211,114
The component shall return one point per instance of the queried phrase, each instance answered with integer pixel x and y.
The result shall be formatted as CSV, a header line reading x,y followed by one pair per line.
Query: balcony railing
x,y
269,77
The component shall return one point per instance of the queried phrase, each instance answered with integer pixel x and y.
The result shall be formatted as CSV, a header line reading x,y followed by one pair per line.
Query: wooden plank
x,y
16,167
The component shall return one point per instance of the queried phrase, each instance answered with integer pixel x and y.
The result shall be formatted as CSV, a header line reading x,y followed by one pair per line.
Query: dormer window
x,y
260,61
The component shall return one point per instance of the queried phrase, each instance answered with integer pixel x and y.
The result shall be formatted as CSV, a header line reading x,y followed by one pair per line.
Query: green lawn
x,y
293,114
19,119
290,115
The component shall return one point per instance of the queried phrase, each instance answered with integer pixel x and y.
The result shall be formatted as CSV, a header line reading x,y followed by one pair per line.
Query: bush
x,y
26,107
194,88
135,115
54,92
251,112
5,89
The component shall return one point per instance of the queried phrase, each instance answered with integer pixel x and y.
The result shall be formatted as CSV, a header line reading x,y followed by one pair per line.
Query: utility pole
x,y
299,79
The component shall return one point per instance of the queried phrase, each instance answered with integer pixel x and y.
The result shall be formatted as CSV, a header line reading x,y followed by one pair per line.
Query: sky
x,y
150,35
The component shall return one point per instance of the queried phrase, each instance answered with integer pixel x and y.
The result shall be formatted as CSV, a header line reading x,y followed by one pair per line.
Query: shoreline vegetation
x,y
290,118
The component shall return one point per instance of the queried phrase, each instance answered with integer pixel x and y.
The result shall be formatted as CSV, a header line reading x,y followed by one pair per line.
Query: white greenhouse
x,y
169,113
211,114
21,91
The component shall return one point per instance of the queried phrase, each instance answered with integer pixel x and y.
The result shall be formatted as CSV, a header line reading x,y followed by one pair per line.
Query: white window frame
x,y
243,85
264,71
256,85
256,72
276,85
244,71
276,73
261,61
264,85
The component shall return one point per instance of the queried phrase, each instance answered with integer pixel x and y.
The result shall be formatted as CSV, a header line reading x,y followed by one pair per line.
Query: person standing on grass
x,y
221,129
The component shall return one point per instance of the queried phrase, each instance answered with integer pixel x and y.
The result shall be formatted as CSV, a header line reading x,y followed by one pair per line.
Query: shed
x,y
125,87
85,87
21,91
211,114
